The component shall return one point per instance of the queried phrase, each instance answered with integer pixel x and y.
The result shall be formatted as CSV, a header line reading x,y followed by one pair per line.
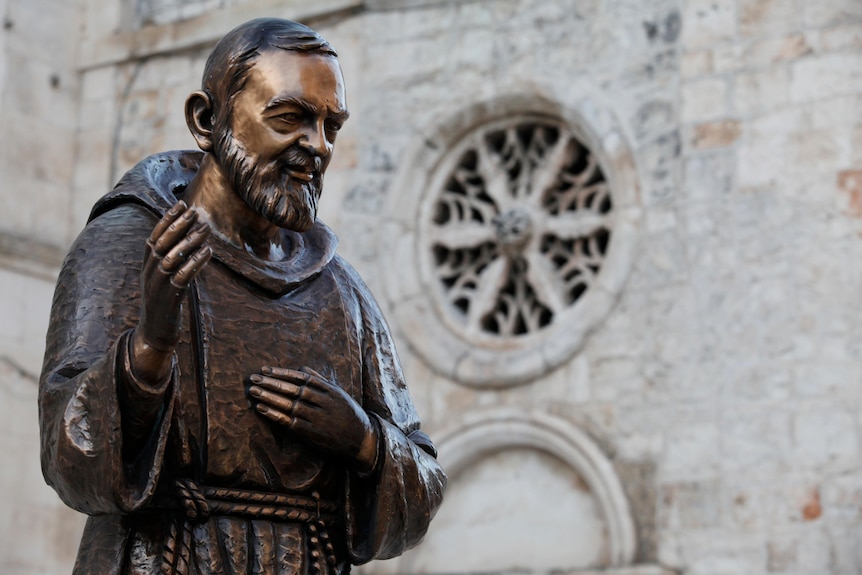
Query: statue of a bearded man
x,y
220,391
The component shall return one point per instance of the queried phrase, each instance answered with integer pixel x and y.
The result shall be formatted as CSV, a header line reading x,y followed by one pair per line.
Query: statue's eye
x,y
290,117
332,125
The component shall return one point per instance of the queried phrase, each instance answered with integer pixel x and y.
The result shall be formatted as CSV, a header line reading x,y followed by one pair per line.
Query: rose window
x,y
519,230
508,234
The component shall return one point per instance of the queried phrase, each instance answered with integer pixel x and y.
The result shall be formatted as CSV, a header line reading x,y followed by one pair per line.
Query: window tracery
x,y
520,229
510,230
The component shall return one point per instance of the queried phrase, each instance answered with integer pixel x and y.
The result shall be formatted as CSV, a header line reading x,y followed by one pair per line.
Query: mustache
x,y
297,157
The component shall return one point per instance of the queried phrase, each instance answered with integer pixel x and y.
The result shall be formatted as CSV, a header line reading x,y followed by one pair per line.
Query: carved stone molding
x,y
511,228
489,433
483,433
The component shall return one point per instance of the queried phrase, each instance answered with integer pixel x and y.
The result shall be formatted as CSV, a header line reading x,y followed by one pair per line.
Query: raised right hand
x,y
175,254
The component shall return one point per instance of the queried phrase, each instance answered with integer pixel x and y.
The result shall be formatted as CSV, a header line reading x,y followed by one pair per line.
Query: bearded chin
x,y
287,203
268,190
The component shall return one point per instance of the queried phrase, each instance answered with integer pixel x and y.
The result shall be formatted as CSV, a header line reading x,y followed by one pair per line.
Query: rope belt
x,y
198,503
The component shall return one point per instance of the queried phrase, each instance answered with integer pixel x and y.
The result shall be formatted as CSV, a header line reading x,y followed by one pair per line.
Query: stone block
x,y
834,380
689,506
614,377
641,447
826,76
665,261
189,10
10,310
691,452
769,51
785,506
719,134
705,99
761,165
747,506
844,550
40,150
728,57
779,123
24,306
815,552
46,30
826,438
40,90
707,22
41,209
709,177
95,114
841,114
696,64
828,12
856,140
100,19
817,152
757,444
722,553
767,17
99,84
781,555
659,160
763,156
762,91
847,37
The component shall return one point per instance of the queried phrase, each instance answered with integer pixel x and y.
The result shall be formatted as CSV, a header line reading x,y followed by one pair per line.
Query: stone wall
x,y
697,409
38,123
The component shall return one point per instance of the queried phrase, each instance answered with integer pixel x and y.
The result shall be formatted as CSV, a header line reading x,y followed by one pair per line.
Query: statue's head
x,y
269,109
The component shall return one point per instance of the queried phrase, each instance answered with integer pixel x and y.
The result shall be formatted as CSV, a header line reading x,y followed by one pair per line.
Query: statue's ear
x,y
199,118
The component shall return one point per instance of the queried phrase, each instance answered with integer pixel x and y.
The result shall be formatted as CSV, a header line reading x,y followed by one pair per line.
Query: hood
x,y
159,181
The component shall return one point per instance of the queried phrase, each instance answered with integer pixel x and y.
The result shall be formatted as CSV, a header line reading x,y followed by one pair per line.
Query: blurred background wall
x,y
693,406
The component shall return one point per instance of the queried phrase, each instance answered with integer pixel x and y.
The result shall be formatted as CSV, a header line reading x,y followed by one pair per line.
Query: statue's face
x,y
281,134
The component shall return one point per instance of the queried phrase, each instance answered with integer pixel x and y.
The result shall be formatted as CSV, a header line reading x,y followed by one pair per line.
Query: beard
x,y
267,188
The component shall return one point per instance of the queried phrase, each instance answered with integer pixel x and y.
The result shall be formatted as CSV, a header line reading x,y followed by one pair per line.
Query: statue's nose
x,y
314,140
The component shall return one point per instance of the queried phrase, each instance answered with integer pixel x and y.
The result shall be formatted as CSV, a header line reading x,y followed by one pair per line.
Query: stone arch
x,y
487,433
500,429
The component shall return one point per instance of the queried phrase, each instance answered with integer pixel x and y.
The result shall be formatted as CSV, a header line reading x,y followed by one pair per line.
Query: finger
x,y
308,370
192,267
312,389
276,385
169,217
176,230
304,411
316,382
274,415
286,374
279,402
181,252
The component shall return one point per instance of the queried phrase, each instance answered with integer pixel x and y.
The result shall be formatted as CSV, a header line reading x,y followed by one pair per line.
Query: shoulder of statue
x,y
156,182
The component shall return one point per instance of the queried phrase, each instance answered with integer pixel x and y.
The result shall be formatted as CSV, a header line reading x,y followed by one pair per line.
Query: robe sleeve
x,y
103,434
389,509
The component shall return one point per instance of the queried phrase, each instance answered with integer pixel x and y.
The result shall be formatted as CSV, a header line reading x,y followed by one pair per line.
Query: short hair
x,y
228,65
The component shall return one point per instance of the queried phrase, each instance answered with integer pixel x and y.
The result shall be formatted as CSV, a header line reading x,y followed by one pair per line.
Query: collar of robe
x,y
157,182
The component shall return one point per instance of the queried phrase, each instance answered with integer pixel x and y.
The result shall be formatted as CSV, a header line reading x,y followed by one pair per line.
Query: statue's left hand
x,y
318,410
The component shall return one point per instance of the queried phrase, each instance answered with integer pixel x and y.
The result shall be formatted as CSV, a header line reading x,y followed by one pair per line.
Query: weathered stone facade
x,y
697,408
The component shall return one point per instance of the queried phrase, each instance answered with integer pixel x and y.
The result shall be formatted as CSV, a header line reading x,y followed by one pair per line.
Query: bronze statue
x,y
220,392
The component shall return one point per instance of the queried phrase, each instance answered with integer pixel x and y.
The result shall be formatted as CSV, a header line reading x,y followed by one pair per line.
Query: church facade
x,y
617,243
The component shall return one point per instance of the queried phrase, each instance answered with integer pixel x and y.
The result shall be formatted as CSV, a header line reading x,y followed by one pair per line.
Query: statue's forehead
x,y
313,77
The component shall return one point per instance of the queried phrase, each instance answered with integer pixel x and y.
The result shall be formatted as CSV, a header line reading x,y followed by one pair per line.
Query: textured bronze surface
x,y
220,391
